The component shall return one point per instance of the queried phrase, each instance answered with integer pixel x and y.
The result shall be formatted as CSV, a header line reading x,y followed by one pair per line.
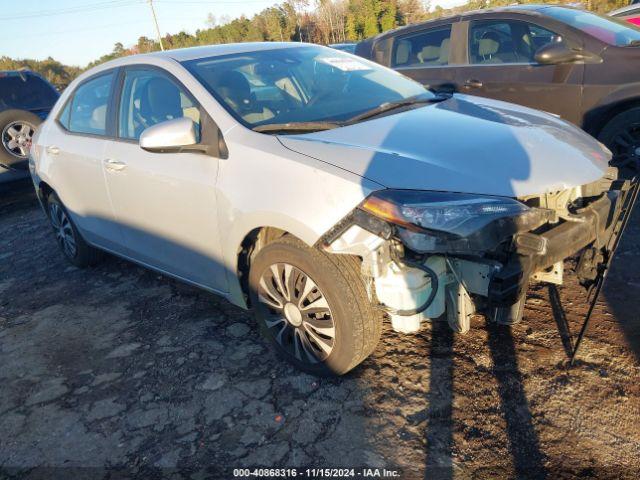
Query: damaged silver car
x,y
324,191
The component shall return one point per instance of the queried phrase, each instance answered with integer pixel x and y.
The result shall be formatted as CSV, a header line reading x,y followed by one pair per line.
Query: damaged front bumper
x,y
487,271
538,252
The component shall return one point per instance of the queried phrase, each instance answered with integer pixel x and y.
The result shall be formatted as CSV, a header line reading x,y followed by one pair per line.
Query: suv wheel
x,y
313,307
622,136
74,247
17,128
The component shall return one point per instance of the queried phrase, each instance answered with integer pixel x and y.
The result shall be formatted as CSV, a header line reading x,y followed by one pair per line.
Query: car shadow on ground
x,y
523,444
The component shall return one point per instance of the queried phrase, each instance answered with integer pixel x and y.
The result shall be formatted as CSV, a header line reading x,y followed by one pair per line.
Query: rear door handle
x,y
114,165
53,150
473,83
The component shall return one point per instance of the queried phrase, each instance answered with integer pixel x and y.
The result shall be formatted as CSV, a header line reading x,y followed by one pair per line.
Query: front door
x,y
165,203
502,66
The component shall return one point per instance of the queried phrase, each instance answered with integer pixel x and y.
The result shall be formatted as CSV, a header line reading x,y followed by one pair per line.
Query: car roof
x,y
528,9
183,54
18,72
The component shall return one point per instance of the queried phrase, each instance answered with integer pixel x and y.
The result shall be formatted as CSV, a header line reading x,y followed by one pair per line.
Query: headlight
x,y
458,214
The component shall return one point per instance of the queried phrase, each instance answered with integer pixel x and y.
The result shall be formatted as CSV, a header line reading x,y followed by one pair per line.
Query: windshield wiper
x,y
634,43
297,127
320,125
387,107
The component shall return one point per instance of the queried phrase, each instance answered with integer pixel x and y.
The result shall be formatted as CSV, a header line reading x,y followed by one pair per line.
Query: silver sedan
x,y
324,191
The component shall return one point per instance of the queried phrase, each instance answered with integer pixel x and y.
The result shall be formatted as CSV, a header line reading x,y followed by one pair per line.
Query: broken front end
x,y
429,254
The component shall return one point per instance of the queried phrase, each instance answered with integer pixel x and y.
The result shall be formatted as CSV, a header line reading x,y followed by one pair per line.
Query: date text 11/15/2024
x,y
316,473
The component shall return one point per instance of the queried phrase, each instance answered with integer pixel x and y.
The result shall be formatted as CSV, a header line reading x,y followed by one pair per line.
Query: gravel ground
x,y
116,370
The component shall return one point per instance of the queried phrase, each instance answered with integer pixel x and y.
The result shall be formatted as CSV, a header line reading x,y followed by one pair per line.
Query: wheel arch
x,y
252,242
597,118
43,190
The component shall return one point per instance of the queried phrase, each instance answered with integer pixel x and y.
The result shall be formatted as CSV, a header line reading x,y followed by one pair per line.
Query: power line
x,y
78,30
70,10
215,2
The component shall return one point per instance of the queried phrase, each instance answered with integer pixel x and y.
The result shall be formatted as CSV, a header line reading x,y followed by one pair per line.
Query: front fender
x,y
267,185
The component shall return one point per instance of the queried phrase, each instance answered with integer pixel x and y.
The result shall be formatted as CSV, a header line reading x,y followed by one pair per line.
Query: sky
x,y
76,32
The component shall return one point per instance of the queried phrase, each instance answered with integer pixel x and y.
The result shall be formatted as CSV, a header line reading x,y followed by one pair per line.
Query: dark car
x,y
25,100
575,64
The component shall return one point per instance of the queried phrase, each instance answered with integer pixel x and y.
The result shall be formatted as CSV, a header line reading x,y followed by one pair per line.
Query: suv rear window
x,y
26,91
424,49
607,29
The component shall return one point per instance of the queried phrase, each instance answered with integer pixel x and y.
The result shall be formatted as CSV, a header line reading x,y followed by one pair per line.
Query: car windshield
x,y
609,30
300,84
25,91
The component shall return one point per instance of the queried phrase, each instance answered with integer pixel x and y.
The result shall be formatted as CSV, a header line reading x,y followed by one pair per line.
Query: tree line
x,y
323,22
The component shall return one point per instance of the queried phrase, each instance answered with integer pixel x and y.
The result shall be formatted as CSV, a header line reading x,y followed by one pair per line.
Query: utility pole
x,y
155,20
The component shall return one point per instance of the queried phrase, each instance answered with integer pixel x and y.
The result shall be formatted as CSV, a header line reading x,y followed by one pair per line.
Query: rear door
x,y
74,146
501,65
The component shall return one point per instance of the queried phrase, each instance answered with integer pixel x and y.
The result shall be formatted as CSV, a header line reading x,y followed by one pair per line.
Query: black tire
x,y
8,118
622,136
83,255
357,324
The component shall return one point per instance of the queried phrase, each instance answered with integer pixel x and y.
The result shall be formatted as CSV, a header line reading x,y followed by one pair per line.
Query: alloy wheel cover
x,y
298,314
62,228
17,137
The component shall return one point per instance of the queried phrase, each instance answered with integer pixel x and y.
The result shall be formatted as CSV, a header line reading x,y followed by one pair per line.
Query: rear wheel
x,y
17,128
73,246
622,136
313,307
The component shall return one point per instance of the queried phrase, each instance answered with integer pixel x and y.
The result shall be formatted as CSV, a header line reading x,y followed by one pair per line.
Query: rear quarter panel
x,y
610,84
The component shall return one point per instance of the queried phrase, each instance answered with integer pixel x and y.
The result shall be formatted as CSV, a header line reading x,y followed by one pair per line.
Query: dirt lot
x,y
116,367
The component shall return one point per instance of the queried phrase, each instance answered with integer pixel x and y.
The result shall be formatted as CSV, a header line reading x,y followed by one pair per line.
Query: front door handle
x,y
473,83
114,165
53,150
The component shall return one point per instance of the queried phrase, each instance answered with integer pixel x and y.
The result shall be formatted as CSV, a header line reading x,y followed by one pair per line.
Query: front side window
x,y
88,107
505,41
607,29
148,98
427,48
299,84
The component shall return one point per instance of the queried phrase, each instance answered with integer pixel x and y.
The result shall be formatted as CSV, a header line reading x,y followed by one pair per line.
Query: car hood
x,y
463,144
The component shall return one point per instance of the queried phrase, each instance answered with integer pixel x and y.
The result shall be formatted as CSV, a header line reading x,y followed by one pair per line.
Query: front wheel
x,y
313,307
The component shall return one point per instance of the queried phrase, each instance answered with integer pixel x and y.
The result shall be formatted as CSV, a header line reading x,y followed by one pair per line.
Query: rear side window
x,y
87,110
504,41
424,49
26,91
381,51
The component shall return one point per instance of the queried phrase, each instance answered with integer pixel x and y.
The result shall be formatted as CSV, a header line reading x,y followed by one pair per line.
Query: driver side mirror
x,y
171,136
180,136
557,53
